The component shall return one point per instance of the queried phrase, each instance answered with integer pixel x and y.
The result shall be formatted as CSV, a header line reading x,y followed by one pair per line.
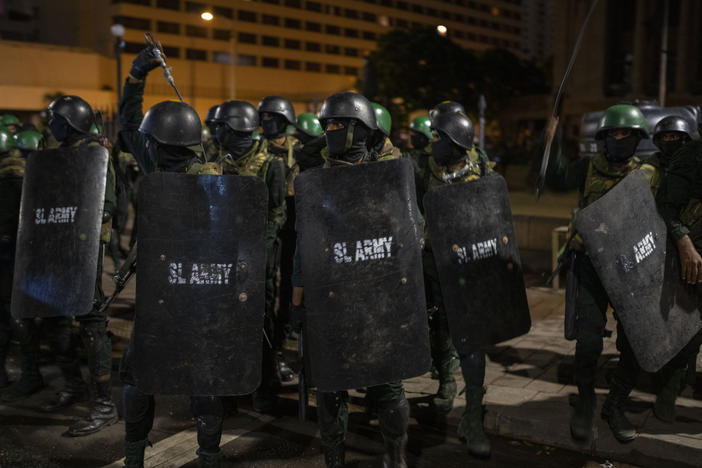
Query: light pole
x,y
117,31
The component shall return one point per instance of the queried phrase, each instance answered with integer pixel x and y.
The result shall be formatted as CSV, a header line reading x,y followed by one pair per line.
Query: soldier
x,y
379,145
621,127
10,122
11,172
420,137
349,121
209,140
277,115
28,141
453,158
160,141
669,135
235,123
308,127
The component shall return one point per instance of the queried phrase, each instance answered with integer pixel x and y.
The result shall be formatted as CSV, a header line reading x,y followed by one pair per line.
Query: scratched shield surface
x,y
58,238
200,284
360,246
477,258
626,240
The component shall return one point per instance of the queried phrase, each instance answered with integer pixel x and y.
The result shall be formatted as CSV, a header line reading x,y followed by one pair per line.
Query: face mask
x,y
169,158
58,127
236,143
273,127
348,143
419,141
446,152
669,148
621,150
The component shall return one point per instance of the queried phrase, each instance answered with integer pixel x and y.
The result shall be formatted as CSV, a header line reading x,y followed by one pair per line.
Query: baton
x,y
157,52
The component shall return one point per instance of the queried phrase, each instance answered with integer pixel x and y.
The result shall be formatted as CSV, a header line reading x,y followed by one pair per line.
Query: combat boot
x,y
581,421
334,455
103,412
664,408
209,459
393,420
612,412
443,400
394,456
134,453
471,426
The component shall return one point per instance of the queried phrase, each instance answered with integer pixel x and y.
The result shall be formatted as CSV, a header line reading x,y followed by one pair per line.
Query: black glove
x,y
296,317
143,64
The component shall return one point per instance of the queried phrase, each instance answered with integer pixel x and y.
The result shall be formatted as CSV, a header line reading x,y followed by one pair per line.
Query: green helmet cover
x,y
256,135
28,140
96,129
7,140
9,119
422,124
622,116
290,130
382,117
309,124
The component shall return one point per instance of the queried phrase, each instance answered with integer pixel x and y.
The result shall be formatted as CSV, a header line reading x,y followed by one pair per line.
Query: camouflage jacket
x,y
287,151
11,174
679,199
212,149
258,162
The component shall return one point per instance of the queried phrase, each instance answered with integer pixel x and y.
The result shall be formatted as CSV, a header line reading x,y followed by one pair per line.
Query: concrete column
x,y
637,72
682,67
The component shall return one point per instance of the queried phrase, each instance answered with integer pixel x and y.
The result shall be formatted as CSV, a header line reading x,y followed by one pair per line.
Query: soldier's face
x,y
671,136
333,124
619,133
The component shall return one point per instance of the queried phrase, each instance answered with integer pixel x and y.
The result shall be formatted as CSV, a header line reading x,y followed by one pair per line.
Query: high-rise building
x,y
537,28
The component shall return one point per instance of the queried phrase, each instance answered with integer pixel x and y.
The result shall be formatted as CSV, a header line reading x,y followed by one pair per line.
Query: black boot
x,y
393,421
581,421
103,412
134,453
612,412
443,400
334,455
471,426
209,459
664,408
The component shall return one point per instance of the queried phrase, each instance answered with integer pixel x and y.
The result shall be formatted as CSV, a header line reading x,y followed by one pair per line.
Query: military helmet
x,y
422,124
622,116
277,105
75,110
309,124
172,123
211,114
348,106
239,115
28,140
7,140
382,118
256,135
457,126
9,119
446,107
96,129
672,123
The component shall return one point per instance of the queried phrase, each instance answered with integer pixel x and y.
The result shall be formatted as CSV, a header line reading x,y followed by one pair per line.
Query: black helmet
x,y
348,106
75,110
277,105
672,123
446,107
457,126
172,123
239,115
211,115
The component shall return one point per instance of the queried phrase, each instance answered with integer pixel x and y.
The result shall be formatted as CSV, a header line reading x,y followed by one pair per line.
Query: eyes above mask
x,y
622,149
274,126
236,143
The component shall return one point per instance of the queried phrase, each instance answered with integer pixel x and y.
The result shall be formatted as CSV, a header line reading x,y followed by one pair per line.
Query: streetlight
x,y
117,31
441,29
207,16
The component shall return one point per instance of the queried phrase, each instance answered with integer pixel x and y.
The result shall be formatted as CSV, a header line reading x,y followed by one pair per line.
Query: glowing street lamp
x,y
441,29
207,15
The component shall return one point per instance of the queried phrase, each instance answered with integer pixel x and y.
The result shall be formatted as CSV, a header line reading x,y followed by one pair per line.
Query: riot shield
x,y
58,238
626,240
359,243
200,284
477,258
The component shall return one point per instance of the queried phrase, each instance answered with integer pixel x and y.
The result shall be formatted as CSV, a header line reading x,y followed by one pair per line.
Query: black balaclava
x,y
376,142
304,137
669,148
236,143
348,143
274,127
445,151
419,140
621,150
59,127
169,158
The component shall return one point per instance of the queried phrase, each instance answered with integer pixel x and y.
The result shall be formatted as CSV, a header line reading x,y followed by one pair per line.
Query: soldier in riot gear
x,y
11,122
161,141
242,155
276,114
70,121
380,145
210,141
28,141
621,127
420,137
453,158
308,127
669,135
349,121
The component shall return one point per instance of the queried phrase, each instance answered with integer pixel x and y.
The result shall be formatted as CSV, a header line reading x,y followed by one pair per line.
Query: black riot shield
x,y
58,238
626,240
359,243
477,258
200,284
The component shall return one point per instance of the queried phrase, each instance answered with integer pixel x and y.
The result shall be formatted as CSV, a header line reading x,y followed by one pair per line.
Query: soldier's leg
x,y
591,307
209,414
623,382
5,314
138,410
30,381
669,381
393,416
333,419
470,427
63,346
442,350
